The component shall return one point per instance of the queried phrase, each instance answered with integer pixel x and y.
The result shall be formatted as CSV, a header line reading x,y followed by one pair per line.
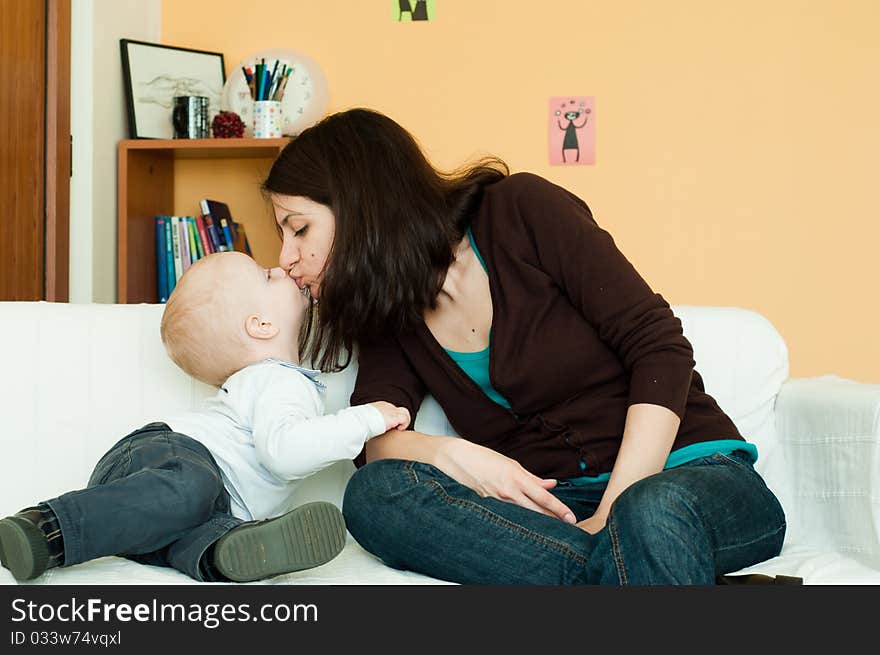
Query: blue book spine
x,y
161,261
227,234
169,256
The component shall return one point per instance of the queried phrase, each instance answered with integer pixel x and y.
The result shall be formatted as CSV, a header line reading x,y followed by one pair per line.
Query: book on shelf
x,y
212,223
175,246
210,233
240,239
222,217
194,249
169,257
231,235
203,235
183,240
161,260
185,260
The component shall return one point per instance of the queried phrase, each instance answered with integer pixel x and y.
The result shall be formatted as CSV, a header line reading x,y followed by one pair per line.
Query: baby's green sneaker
x,y
303,538
24,549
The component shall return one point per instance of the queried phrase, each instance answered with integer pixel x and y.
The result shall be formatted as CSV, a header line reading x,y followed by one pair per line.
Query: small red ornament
x,y
227,125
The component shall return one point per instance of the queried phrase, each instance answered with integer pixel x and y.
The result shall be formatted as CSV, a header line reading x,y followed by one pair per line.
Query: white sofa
x,y
76,378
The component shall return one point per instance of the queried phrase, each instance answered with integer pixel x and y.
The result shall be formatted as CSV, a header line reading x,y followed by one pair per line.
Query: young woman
x,y
590,452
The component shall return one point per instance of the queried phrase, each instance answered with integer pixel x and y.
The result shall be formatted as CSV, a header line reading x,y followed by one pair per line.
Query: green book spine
x,y
190,231
194,228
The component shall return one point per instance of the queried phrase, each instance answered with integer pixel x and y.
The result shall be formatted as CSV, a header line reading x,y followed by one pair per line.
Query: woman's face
x,y
307,230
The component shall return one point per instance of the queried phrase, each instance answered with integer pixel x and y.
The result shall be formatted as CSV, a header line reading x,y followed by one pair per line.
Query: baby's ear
x,y
259,327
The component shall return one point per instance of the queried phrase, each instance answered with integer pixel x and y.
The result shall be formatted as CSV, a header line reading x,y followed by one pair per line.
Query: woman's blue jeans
x,y
156,497
685,525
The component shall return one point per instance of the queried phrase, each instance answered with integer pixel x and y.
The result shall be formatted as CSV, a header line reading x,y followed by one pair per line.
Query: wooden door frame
x,y
59,153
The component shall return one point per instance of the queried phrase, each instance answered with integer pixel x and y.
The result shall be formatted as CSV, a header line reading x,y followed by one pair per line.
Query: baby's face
x,y
270,290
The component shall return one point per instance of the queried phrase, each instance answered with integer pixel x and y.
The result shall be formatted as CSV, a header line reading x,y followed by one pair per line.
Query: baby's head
x,y
227,312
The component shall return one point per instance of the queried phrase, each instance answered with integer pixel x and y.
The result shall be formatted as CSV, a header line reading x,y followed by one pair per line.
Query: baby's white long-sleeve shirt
x,y
266,430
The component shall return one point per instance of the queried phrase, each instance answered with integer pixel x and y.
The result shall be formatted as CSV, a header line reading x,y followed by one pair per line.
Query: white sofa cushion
x,y
79,377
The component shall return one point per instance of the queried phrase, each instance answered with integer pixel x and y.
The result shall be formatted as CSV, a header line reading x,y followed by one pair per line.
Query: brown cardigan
x,y
577,337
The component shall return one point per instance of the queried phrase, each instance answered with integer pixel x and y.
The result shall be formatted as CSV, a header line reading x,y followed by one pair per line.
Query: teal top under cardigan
x,y
476,367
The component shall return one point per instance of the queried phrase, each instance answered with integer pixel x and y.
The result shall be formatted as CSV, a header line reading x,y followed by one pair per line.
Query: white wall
x,y
98,120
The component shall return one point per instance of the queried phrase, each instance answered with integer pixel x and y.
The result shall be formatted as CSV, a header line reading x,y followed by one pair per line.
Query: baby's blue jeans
x,y
156,497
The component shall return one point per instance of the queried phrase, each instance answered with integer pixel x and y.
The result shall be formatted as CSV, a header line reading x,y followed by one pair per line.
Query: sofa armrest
x,y
829,430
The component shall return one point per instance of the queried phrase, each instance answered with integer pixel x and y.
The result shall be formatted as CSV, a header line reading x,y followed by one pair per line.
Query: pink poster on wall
x,y
572,130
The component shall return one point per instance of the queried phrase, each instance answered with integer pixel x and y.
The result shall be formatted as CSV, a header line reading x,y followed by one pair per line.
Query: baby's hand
x,y
395,417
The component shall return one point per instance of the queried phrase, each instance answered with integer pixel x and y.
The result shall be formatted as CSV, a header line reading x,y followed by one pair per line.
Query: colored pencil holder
x,y
267,119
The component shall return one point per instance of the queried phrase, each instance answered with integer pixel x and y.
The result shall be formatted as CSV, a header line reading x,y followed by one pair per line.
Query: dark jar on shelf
x,y
189,116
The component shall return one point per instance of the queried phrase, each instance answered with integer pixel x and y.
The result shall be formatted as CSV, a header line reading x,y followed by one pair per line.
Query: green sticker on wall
x,y
406,11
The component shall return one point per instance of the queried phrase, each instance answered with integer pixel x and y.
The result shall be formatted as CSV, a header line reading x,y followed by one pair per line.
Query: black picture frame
x,y
154,73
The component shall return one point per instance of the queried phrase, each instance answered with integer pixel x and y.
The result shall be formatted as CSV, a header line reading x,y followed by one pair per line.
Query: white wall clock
x,y
305,96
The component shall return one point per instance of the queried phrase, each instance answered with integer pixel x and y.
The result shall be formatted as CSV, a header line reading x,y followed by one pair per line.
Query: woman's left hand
x,y
593,524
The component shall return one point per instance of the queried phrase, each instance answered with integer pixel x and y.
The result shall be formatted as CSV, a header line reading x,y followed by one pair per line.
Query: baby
x,y
208,491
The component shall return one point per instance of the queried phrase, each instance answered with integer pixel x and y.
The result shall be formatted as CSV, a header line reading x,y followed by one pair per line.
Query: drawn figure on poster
x,y
404,8
162,89
421,10
570,142
419,13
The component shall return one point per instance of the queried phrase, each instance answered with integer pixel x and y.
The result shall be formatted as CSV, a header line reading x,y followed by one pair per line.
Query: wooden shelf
x,y
208,148
149,180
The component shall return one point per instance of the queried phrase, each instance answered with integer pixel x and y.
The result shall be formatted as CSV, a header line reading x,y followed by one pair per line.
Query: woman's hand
x,y
491,474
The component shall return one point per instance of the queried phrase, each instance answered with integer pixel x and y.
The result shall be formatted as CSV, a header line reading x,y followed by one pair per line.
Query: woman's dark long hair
x,y
398,220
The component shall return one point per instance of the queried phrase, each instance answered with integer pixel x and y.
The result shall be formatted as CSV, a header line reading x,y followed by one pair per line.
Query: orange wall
x,y
737,142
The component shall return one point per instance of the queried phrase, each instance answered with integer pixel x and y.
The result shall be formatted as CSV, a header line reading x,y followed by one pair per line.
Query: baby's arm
x,y
395,417
293,441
